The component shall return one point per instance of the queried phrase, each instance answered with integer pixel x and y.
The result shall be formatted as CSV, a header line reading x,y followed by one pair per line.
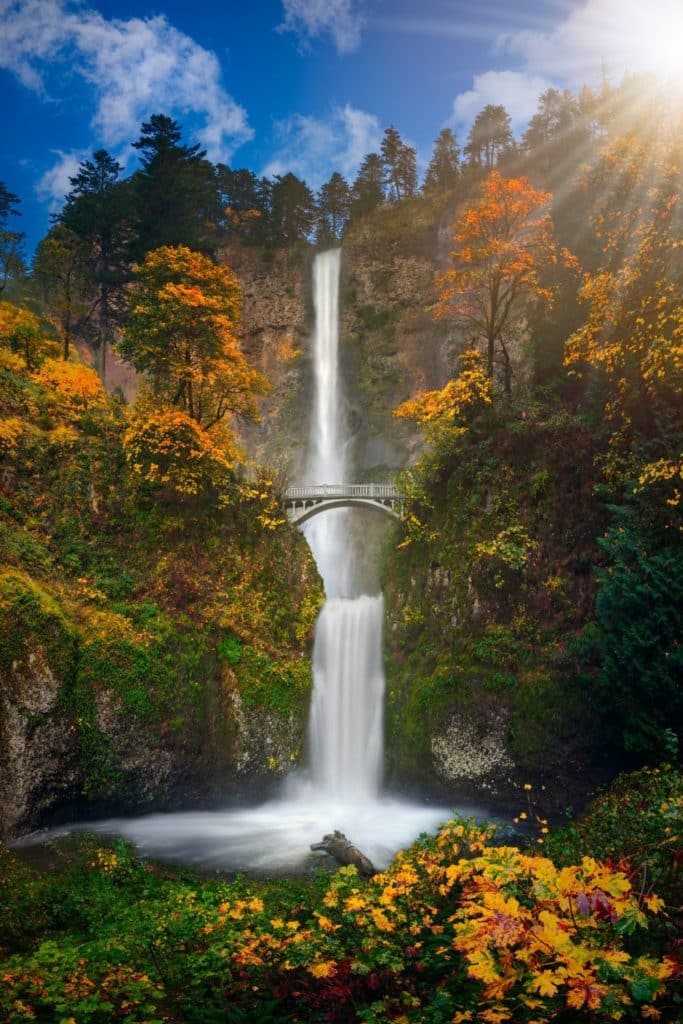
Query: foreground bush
x,y
456,930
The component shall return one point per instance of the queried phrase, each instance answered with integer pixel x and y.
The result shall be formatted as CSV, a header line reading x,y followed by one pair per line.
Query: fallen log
x,y
344,852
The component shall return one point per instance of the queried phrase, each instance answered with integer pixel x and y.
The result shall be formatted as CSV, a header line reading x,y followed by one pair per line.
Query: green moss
x,y
30,618
282,686
487,596
19,547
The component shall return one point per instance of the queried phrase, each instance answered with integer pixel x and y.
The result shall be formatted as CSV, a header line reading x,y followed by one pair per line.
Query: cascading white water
x,y
327,535
346,709
342,791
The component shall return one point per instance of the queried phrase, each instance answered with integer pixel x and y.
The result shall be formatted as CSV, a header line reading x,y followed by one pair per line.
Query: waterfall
x,y
346,709
345,729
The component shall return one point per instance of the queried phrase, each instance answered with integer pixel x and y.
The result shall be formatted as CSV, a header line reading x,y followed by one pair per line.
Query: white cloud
x,y
517,91
624,35
54,184
135,67
313,18
312,148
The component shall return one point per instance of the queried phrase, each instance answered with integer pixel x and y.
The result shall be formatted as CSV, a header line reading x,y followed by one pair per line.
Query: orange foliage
x,y
182,331
502,242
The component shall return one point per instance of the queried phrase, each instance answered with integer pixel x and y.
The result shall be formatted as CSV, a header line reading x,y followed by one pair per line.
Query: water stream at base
x,y
342,788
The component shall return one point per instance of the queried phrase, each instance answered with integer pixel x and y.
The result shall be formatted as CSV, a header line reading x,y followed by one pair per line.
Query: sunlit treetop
x,y
502,243
182,331
633,331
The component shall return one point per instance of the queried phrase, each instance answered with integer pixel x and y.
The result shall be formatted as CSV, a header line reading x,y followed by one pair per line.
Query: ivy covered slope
x,y
535,588
155,612
487,606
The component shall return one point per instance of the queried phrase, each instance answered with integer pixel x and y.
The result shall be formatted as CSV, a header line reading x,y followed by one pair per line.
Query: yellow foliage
x,y
470,388
22,333
170,448
75,389
533,938
11,430
12,361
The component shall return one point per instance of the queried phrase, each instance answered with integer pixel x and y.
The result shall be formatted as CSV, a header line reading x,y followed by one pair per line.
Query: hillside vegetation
x,y
156,611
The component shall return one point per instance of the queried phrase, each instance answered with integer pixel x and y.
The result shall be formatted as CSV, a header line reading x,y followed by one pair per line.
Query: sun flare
x,y
647,37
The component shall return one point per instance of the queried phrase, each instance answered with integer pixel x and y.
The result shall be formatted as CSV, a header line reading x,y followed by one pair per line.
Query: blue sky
x,y
302,85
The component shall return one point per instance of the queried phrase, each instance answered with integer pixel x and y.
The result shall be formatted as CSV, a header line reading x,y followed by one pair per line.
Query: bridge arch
x,y
304,502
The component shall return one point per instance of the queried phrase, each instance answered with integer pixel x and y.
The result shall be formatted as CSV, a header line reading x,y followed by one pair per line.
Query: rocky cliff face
x,y
276,326
89,726
391,346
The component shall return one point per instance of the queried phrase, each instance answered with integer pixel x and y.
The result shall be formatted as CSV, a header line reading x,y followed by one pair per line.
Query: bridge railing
x,y
341,491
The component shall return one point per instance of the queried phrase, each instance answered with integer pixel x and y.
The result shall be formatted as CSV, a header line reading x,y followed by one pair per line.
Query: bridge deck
x,y
313,491
306,500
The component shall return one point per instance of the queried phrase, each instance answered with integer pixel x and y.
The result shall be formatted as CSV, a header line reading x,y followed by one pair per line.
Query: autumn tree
x,y
444,167
502,242
169,448
367,191
60,274
471,388
633,332
490,136
181,331
22,332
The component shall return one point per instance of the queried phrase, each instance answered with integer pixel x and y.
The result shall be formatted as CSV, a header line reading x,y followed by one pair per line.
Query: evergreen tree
x,y
407,171
293,208
490,136
554,119
11,242
98,210
444,167
175,189
400,165
334,201
557,137
367,191
246,203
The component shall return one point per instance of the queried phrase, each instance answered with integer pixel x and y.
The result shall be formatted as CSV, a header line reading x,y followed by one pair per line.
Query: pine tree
x,y
175,189
11,242
246,204
293,208
367,191
334,200
98,210
444,167
490,136
400,165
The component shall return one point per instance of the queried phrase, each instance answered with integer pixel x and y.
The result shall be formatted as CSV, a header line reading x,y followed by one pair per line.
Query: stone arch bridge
x,y
308,500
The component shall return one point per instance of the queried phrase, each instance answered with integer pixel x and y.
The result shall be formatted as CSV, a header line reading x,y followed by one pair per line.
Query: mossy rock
x,y
33,625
